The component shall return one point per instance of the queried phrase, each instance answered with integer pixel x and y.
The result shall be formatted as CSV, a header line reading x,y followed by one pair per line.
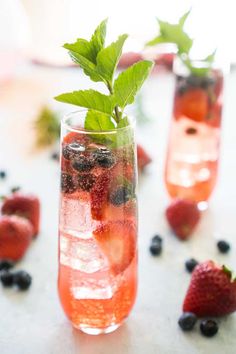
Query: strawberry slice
x,y
117,240
192,104
99,195
25,205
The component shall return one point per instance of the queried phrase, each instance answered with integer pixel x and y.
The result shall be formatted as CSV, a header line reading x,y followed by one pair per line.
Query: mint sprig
x,y
174,33
105,112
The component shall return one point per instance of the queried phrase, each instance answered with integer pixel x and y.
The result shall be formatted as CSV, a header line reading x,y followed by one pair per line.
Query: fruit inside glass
x,y
194,141
97,279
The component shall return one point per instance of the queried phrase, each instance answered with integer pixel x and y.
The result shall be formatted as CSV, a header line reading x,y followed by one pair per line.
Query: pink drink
x,y
97,245
193,150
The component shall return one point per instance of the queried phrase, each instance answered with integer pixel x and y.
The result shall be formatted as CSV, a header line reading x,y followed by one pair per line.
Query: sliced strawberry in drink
x,y
124,211
75,137
193,104
117,240
99,195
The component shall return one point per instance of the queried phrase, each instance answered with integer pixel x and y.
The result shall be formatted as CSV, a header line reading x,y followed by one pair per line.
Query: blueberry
x,y
6,264
155,248
7,278
22,279
104,157
67,183
187,321
3,174
208,328
86,181
157,239
70,151
119,196
191,131
190,264
223,246
83,164
55,156
15,189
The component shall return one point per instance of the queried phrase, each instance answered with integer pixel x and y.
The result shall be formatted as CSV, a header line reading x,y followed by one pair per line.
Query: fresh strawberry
x,y
26,205
143,158
99,195
183,216
193,104
15,237
212,291
128,59
117,240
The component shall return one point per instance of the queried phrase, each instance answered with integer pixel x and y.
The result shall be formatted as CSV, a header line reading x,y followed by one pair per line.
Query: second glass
x,y
193,149
98,225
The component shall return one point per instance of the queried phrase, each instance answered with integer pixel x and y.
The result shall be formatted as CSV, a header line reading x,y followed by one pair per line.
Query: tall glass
x,y
97,279
193,149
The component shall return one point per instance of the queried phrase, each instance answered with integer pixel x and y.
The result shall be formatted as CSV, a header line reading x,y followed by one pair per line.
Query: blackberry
x,y
86,181
187,321
83,163
67,183
119,196
156,245
22,279
3,174
70,151
55,156
104,157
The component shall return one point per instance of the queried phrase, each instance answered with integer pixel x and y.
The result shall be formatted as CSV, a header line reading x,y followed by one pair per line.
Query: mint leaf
x,y
98,38
174,33
129,82
88,67
229,273
123,122
200,67
47,127
98,121
108,59
90,99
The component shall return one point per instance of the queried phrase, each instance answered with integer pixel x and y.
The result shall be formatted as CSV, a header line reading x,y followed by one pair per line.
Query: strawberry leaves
x,y
105,112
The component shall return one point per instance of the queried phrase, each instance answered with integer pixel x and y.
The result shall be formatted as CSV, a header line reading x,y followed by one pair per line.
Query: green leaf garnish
x,y
173,33
129,83
47,127
230,273
90,99
105,112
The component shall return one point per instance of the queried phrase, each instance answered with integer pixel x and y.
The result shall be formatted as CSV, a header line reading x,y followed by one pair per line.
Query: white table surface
x,y
33,322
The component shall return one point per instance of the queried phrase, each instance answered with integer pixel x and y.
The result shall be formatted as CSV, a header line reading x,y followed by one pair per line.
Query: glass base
x,y
96,331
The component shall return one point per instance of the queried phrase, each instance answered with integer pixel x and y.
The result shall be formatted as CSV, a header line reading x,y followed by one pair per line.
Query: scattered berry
x,y
67,183
208,328
104,157
187,321
183,216
15,189
191,131
83,164
15,237
86,181
6,264
119,196
7,278
143,158
117,239
55,156
155,249
22,279
3,174
25,205
212,291
190,264
223,246
157,239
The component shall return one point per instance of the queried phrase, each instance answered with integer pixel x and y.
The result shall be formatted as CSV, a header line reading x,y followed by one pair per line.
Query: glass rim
x,y
66,125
